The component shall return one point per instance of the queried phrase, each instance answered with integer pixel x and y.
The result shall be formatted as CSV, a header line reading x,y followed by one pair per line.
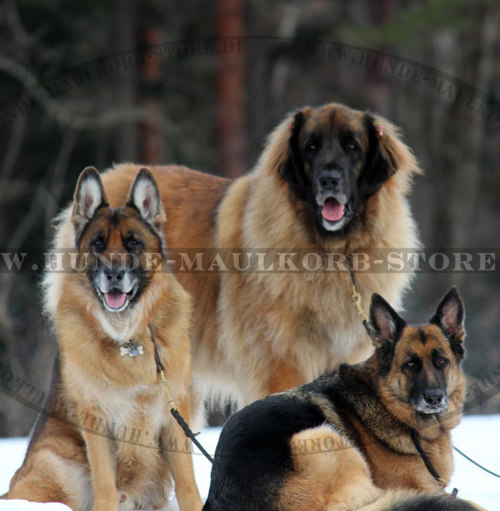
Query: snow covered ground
x,y
477,436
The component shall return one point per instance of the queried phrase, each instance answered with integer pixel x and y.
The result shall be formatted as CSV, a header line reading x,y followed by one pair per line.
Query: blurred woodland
x,y
96,82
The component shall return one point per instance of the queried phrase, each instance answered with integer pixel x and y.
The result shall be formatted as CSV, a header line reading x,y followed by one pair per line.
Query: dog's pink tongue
x,y
115,299
332,210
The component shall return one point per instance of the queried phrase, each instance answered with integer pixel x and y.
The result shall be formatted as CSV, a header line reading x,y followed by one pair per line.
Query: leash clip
x,y
356,301
166,386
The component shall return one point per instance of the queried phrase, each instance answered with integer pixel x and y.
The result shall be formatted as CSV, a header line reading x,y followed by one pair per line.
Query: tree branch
x,y
13,148
57,180
17,29
60,114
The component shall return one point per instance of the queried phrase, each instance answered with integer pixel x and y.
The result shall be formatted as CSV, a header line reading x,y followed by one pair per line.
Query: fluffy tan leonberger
x,y
331,181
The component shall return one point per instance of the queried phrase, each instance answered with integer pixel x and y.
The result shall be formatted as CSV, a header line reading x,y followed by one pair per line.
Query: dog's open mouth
x,y
116,300
332,210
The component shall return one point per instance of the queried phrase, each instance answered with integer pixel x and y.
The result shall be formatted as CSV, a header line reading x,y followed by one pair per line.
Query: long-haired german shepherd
x,y
330,180
346,439
106,436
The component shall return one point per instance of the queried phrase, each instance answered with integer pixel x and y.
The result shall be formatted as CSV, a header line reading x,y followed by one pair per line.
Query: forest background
x,y
202,83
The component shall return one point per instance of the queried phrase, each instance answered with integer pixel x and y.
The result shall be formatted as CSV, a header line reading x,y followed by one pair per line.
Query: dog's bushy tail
x,y
404,501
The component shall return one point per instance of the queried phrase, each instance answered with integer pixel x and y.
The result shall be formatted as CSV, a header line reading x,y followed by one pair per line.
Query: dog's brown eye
x,y
409,365
133,243
97,243
311,147
441,362
351,146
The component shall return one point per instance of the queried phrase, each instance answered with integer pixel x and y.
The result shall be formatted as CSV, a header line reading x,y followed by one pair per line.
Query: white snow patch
x,y
476,436
23,505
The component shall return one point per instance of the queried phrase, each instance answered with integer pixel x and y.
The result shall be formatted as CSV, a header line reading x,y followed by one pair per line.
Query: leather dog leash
x,y
160,369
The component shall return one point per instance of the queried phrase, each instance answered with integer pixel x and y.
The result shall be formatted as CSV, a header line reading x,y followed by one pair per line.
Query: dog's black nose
x,y
328,179
434,397
114,275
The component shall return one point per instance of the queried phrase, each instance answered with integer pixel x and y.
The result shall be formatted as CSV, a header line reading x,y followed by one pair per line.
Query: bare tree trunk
x,y
286,30
123,37
458,153
462,140
377,85
152,151
466,159
230,92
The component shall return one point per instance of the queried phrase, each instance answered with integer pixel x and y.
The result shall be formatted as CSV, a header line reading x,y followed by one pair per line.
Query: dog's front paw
x,y
190,502
125,503
105,505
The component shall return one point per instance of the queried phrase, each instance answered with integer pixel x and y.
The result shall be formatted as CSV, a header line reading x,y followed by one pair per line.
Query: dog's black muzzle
x,y
330,182
431,401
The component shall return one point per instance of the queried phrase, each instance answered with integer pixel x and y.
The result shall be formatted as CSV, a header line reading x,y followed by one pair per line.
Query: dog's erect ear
x,y
386,155
450,316
145,197
450,313
292,169
387,323
89,197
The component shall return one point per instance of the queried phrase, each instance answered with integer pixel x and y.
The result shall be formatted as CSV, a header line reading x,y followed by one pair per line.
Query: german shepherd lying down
x,y
344,441
107,435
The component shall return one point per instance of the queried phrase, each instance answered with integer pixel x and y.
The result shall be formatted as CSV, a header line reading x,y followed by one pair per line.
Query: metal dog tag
x,y
131,349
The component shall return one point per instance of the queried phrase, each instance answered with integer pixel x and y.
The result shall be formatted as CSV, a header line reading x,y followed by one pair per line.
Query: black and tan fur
x,y
106,436
344,441
260,332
